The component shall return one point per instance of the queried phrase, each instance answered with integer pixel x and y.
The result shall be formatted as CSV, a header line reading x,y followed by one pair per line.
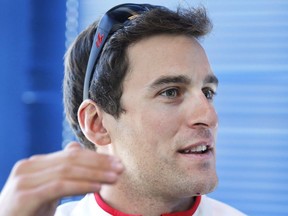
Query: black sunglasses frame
x,y
116,15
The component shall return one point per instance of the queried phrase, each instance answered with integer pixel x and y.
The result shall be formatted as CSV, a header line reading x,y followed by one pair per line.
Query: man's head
x,y
151,104
113,64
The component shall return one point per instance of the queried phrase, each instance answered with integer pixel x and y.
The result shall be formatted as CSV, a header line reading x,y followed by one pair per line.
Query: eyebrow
x,y
211,79
181,79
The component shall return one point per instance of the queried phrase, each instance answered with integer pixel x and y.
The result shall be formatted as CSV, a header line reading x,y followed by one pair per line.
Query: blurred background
x,y
248,51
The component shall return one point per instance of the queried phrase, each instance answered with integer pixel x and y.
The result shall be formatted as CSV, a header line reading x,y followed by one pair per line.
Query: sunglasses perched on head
x,y
116,15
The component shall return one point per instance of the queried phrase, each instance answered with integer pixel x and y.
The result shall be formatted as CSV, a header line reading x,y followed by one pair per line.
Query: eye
x,y
209,93
170,93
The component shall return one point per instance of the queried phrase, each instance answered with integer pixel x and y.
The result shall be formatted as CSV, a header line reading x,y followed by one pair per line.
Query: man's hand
x,y
35,185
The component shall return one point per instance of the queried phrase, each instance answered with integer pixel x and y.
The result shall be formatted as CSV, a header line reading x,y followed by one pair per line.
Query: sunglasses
x,y
116,15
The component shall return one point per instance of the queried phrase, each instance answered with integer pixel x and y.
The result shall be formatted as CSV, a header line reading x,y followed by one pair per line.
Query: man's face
x,y
166,137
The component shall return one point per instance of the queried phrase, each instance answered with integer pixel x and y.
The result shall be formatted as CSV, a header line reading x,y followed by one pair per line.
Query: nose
x,y
201,112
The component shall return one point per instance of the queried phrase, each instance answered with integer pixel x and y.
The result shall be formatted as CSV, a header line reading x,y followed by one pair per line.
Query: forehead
x,y
165,55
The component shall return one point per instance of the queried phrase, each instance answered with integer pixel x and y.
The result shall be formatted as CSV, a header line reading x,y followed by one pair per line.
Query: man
x,y
144,102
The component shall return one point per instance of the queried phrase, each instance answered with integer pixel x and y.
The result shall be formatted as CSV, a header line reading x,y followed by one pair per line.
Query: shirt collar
x,y
115,212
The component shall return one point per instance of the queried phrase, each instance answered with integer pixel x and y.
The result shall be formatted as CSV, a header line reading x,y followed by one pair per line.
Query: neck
x,y
130,202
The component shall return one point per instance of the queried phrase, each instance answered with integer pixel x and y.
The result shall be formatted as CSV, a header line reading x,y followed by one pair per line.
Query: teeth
x,y
196,149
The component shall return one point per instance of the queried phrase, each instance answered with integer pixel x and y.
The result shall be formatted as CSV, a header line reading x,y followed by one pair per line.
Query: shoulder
x,y
217,208
66,208
86,206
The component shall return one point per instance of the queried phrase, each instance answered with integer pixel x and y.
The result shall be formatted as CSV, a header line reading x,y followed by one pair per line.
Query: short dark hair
x,y
113,63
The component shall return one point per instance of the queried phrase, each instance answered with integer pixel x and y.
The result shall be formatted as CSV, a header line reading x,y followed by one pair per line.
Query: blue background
x,y
248,51
32,41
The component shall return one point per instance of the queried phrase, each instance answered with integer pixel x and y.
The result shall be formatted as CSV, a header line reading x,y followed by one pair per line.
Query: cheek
x,y
160,126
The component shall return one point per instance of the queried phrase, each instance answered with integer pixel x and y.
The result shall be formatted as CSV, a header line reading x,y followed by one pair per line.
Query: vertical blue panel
x,y
32,42
45,75
14,56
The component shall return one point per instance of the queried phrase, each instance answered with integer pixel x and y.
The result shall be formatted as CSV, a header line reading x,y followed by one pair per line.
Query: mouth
x,y
200,149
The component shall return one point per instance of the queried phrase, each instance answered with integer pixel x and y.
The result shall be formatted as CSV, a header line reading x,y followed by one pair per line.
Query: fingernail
x,y
96,187
111,176
117,165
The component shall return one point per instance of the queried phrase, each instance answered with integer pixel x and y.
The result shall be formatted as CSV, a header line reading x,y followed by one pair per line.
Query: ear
x,y
91,122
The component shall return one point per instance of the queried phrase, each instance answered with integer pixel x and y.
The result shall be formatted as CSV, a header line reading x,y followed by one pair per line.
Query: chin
x,y
206,187
203,185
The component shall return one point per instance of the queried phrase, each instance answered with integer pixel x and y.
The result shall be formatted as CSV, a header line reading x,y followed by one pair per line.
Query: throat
x,y
143,206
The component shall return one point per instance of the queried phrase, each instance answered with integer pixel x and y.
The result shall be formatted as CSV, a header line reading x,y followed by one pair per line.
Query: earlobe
x,y
91,122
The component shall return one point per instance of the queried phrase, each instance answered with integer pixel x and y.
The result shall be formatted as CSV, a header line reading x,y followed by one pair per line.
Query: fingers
x,y
56,189
73,173
70,172
76,157
72,156
36,183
